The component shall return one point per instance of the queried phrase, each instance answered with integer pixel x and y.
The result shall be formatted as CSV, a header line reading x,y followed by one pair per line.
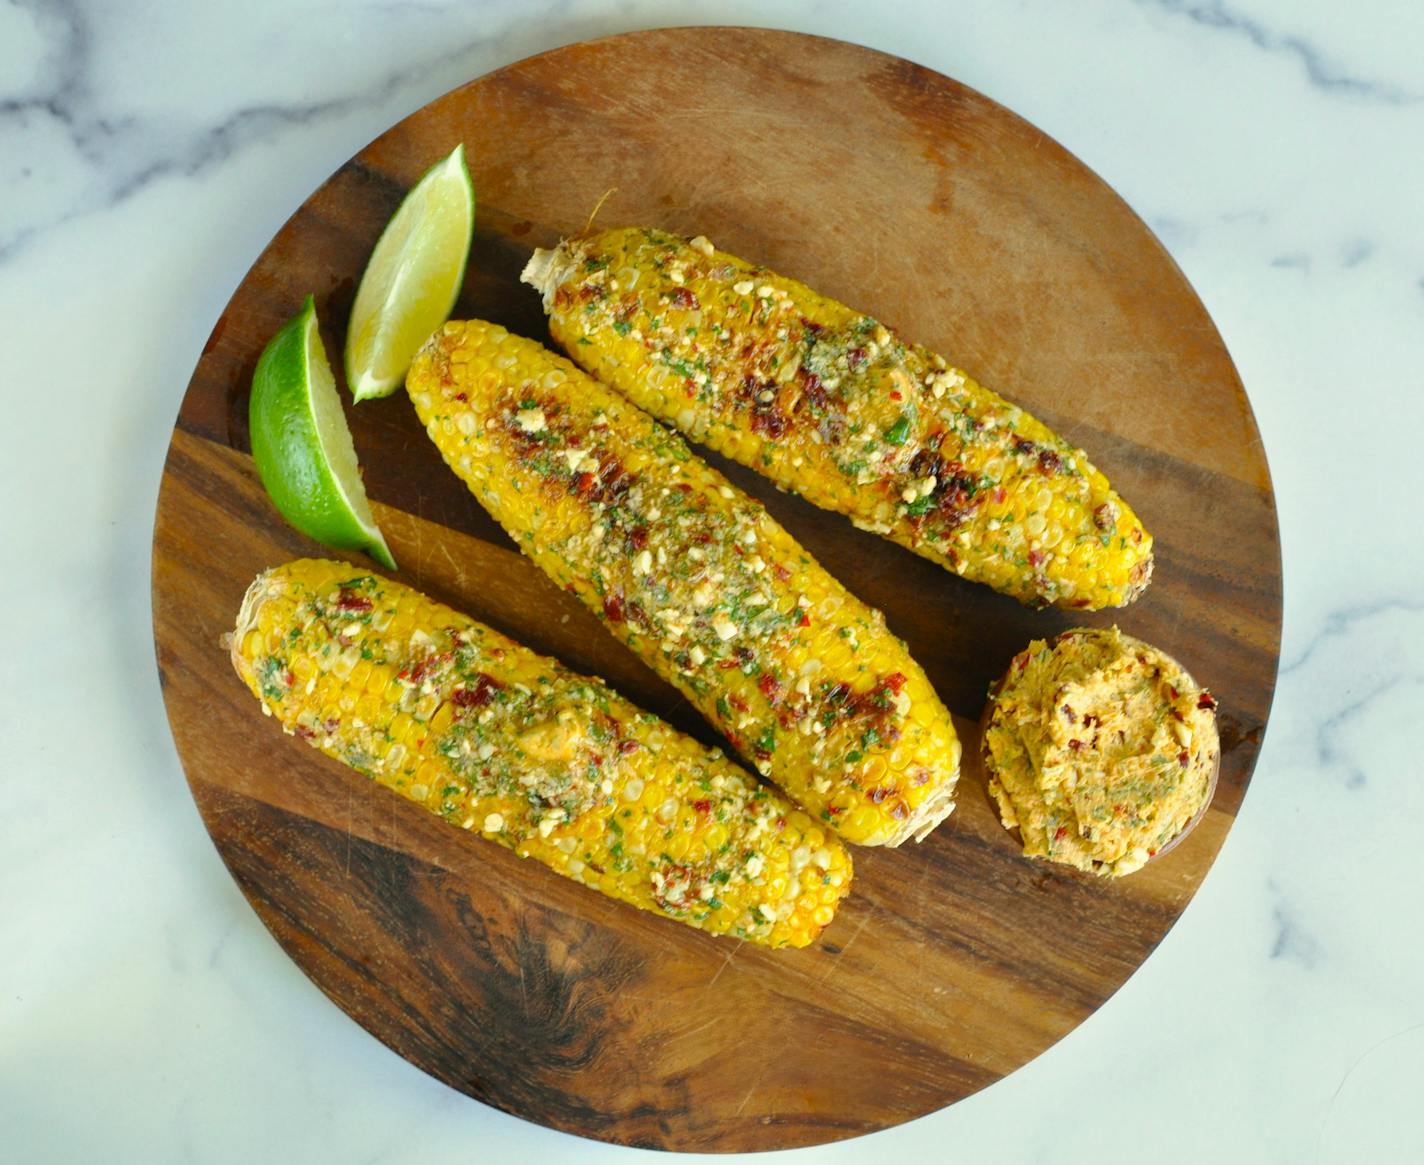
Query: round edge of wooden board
x,y
409,848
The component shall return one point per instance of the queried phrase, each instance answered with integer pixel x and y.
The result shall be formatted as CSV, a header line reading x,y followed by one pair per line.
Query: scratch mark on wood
x,y
350,824
689,1033
922,947
835,965
750,1093
455,565
732,954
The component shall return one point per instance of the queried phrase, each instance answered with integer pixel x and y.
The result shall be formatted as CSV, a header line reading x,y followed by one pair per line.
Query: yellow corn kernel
x,y
465,765
695,577
836,407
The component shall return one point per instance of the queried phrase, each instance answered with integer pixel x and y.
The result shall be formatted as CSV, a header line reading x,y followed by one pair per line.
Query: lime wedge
x,y
412,278
302,445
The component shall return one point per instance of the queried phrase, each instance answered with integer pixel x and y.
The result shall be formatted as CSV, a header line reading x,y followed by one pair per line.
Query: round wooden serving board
x,y
954,961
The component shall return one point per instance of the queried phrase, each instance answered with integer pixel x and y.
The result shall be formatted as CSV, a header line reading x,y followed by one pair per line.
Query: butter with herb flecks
x,y
1100,750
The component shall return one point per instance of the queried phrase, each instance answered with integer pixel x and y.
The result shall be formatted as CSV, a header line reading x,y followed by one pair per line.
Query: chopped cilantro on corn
x,y
555,766
801,677
833,405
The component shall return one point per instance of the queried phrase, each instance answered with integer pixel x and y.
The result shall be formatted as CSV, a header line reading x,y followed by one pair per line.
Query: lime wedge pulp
x,y
412,279
302,445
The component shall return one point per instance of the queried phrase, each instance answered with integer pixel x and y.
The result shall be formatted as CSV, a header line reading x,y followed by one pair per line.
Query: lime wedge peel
x,y
412,279
302,444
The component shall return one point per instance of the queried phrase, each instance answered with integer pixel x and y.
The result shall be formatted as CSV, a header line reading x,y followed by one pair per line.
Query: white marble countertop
x,y
146,156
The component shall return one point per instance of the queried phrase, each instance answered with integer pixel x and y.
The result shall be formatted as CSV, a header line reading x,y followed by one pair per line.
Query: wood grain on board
x,y
954,961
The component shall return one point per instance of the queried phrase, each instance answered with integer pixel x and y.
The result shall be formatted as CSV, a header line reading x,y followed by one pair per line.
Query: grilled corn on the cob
x,y
803,679
555,766
832,405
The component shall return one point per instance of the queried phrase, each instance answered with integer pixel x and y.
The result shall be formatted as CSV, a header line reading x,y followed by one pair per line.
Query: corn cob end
x,y
546,269
266,585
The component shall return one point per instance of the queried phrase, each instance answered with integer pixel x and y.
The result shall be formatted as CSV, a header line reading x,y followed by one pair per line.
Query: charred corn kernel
x,y
719,609
527,753
838,408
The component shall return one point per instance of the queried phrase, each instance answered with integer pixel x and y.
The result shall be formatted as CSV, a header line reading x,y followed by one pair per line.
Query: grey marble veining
x,y
124,154
1292,941
1321,69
